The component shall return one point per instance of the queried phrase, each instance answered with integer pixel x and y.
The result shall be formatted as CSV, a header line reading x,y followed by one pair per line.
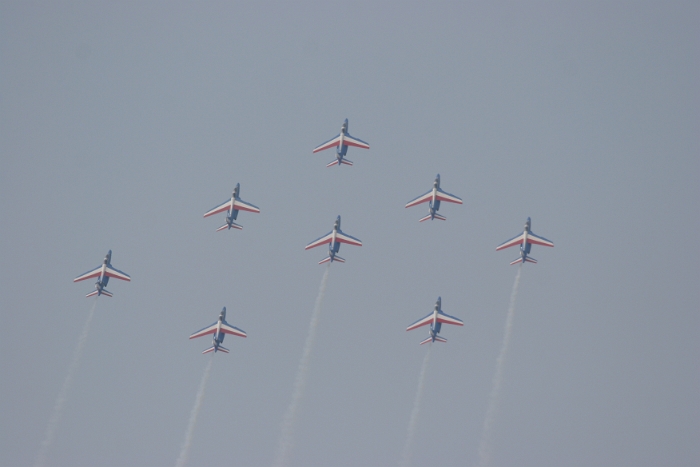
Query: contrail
x,y
300,381
416,409
492,411
185,451
63,395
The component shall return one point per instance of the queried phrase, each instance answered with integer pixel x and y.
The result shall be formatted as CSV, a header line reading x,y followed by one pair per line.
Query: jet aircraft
x,y
232,205
525,240
342,141
435,319
334,238
219,330
103,273
433,197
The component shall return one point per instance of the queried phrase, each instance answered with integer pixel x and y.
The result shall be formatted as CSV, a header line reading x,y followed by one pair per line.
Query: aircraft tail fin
x,y
328,258
433,216
516,261
430,338
233,225
213,348
104,292
530,260
342,161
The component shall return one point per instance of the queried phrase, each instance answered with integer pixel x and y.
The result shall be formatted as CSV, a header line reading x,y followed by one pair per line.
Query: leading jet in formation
x,y
232,205
433,197
342,141
435,320
219,331
103,273
525,240
334,238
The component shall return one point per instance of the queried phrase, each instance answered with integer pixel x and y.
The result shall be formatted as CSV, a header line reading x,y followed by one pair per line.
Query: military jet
x,y
103,273
334,238
232,205
525,240
219,331
433,197
435,320
342,141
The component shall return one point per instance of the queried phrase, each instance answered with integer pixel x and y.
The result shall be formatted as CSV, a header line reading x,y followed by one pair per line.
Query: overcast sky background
x,y
123,122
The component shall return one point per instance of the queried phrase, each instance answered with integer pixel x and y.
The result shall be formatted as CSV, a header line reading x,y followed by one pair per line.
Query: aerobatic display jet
x,y
433,197
103,273
342,141
525,240
232,205
435,320
334,238
219,331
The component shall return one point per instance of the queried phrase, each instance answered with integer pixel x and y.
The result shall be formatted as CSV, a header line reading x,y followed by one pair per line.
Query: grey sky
x,y
121,124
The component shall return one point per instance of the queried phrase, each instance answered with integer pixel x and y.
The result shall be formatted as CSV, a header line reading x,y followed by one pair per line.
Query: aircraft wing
x,y
228,329
535,240
352,141
225,206
320,241
208,330
421,322
328,144
447,319
117,274
421,199
444,196
92,273
517,240
344,238
241,205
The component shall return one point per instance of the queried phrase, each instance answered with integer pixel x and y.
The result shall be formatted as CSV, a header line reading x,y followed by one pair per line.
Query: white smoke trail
x,y
300,381
185,451
492,411
413,422
63,395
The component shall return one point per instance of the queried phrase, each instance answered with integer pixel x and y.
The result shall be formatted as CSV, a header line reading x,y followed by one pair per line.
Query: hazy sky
x,y
123,122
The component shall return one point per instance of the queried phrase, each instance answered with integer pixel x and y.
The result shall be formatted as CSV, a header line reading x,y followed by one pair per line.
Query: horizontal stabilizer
x,y
213,348
433,216
328,258
233,225
104,292
430,339
331,164
530,260
516,261
345,161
